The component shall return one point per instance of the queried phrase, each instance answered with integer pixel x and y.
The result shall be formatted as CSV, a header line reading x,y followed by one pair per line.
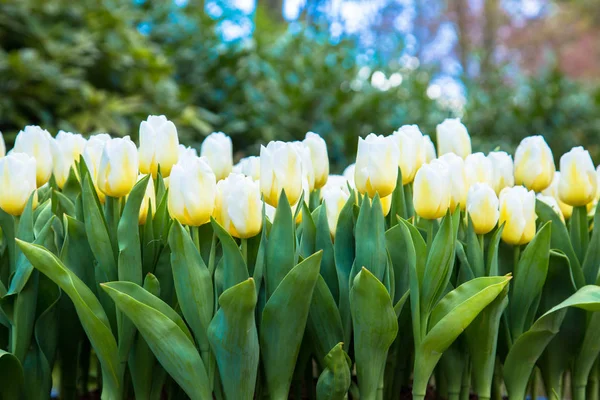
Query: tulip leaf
x,y
323,242
438,267
371,252
155,320
587,354
97,230
398,254
465,273
474,251
335,380
234,266
560,239
309,233
61,204
283,323
343,248
280,249
374,332
398,206
579,231
591,262
529,277
90,312
324,321
449,319
491,267
234,339
11,378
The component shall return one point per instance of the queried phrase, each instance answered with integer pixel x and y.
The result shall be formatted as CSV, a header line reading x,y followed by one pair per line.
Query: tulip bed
x,y
153,273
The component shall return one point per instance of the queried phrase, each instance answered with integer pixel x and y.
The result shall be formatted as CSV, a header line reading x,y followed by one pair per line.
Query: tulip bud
x,y
280,169
192,191
319,157
158,145
37,143
458,180
17,182
517,213
308,172
92,153
218,150
386,205
453,137
148,202
482,207
429,149
479,169
411,148
534,164
503,167
118,169
551,201
66,149
337,182
431,190
552,191
349,173
2,146
184,152
376,165
249,166
578,183
334,199
238,207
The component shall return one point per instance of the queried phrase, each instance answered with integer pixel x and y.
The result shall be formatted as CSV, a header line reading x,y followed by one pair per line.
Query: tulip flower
x,y
534,164
482,207
453,137
429,149
552,202
376,168
431,190
92,153
334,199
2,146
411,148
386,205
17,182
517,213
502,164
348,173
66,149
280,169
479,169
578,183
118,169
337,182
249,166
308,171
218,150
238,207
552,191
458,180
192,191
319,157
37,143
158,145
148,202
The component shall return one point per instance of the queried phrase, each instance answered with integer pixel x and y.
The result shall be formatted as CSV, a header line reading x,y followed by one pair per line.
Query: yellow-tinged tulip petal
x,y
502,164
431,190
37,143
334,199
453,137
280,169
479,169
148,202
218,150
482,207
411,149
578,182
517,213
249,166
376,167
118,169
552,191
238,207
159,146
319,158
551,201
66,149
458,180
534,164
17,182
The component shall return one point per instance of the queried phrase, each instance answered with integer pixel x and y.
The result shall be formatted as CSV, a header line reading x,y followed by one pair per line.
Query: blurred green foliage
x,y
86,66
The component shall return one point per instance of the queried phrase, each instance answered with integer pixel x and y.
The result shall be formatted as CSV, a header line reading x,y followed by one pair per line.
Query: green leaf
x,y
11,378
491,268
375,327
560,239
155,320
591,262
529,277
370,240
280,248
474,251
398,254
323,242
438,267
398,206
234,339
451,316
90,312
234,266
309,233
283,322
579,231
335,380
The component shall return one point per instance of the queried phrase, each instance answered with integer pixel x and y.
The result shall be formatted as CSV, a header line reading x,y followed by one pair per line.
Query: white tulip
x,y
249,166
334,199
218,150
158,145
458,180
66,149
517,213
92,153
280,169
429,149
411,148
578,182
348,173
308,171
376,165
453,137
552,191
118,169
534,164
502,164
431,190
482,207
17,182
479,169
238,207
551,201
319,157
148,202
192,191
185,152
37,143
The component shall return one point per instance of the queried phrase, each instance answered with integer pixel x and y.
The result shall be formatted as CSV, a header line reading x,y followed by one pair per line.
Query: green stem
x,y
579,231
112,213
481,245
430,223
516,256
195,233
244,248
